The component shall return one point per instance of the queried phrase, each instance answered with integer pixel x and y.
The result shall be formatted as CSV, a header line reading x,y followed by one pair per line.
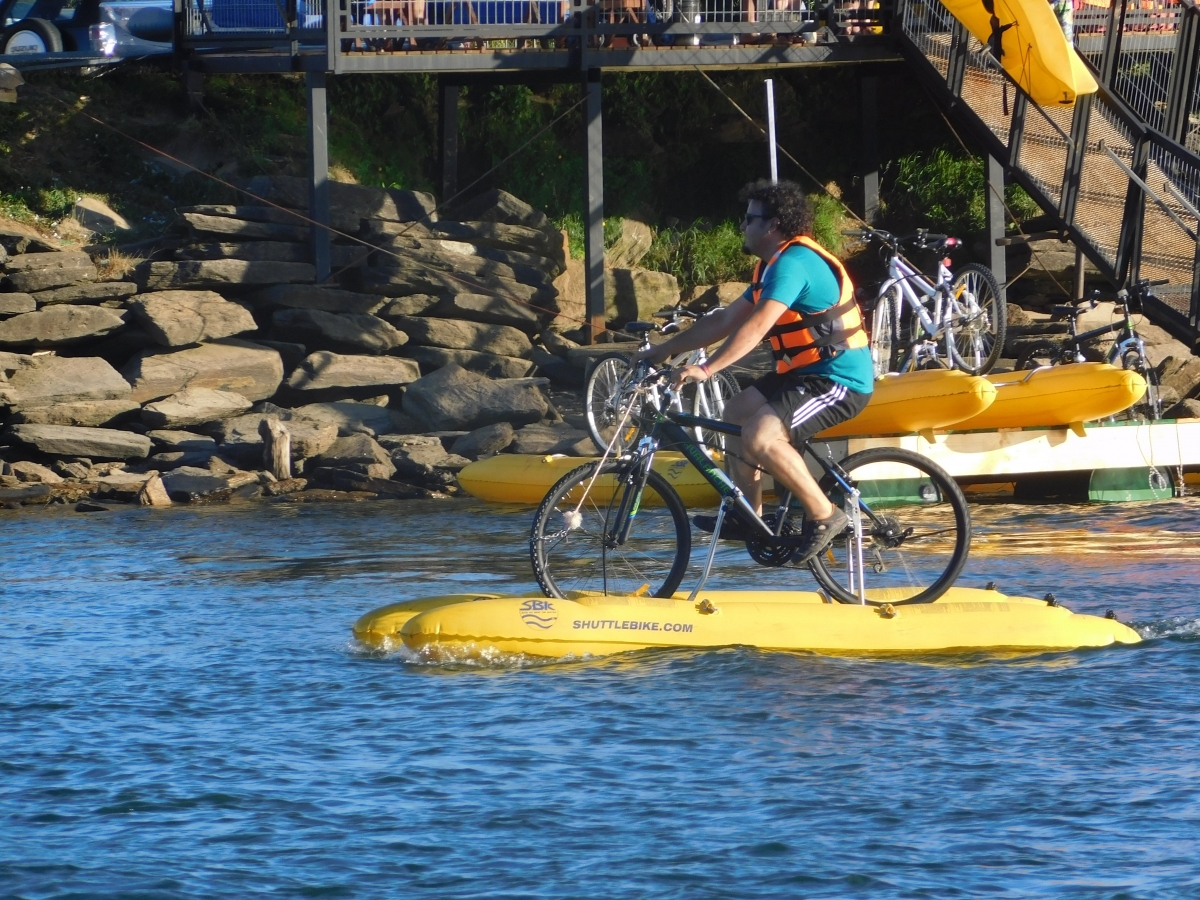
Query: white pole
x,y
771,130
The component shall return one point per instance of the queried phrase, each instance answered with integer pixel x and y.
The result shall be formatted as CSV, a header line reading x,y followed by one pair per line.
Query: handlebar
x,y
921,239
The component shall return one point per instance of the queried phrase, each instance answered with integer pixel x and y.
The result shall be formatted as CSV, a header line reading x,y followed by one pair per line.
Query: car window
x,y
18,11
66,10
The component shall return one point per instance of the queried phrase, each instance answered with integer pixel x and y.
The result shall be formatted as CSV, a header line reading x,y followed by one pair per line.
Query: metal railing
x,y
1120,171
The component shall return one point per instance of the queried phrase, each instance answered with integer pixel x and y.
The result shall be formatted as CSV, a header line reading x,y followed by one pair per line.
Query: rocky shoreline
x,y
217,370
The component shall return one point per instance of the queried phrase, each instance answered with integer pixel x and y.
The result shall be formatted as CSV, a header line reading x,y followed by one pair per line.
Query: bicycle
x,y
958,321
618,527
609,382
1128,346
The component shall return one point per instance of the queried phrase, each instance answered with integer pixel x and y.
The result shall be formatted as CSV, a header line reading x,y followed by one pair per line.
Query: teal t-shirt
x,y
805,282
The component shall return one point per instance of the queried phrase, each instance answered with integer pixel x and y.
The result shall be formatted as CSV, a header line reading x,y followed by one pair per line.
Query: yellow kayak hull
x,y
1057,395
525,478
918,401
464,626
1036,53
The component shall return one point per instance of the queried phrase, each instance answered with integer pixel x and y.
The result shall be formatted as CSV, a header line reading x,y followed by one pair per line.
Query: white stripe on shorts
x,y
817,404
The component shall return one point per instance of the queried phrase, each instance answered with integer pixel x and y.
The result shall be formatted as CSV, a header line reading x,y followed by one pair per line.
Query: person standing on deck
x,y
803,302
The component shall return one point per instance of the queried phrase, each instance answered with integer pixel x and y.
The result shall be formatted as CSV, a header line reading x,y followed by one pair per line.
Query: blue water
x,y
183,713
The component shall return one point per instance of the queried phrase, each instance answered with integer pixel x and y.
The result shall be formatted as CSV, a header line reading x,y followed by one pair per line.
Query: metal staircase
x,y
1120,171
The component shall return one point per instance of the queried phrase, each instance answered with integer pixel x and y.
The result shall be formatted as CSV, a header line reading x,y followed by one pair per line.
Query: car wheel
x,y
31,36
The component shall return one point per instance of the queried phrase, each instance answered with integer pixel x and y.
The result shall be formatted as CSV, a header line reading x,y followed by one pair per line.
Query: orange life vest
x,y
803,339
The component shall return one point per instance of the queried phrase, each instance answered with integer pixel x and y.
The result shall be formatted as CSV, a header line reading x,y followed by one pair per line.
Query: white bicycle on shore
x,y
956,322
608,385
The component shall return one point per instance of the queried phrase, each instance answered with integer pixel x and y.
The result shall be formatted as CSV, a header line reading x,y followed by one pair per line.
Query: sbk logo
x,y
539,614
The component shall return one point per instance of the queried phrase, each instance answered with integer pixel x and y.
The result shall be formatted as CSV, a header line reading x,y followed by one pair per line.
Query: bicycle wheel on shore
x,y
709,401
917,541
603,398
979,320
885,337
652,558
1149,408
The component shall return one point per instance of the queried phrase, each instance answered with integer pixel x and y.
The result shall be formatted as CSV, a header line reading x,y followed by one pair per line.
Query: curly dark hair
x,y
784,200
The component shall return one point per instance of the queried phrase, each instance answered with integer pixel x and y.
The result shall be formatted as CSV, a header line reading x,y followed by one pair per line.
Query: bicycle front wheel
x,y
885,330
604,399
1149,408
979,320
588,554
709,402
916,529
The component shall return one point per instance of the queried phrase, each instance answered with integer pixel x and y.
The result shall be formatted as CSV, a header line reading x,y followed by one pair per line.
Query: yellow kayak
x,y
1057,395
918,401
526,478
465,625
1035,51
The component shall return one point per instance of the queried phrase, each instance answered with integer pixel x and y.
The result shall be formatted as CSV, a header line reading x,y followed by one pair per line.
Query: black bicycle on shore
x,y
1128,349
616,526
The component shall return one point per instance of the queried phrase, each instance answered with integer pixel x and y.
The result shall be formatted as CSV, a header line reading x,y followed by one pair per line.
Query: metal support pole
x,y
869,150
448,137
1076,154
593,239
1129,250
1185,71
956,65
318,187
771,153
1111,54
1016,131
994,213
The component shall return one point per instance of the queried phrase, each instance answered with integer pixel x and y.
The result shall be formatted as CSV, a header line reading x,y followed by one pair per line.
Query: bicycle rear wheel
x,y
604,399
916,536
979,320
709,402
651,560
1150,406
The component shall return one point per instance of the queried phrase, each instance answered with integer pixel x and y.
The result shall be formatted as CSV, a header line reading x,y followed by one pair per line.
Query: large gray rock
x,y
311,296
250,370
630,295
223,226
58,326
358,453
188,483
456,334
50,380
194,405
217,273
32,262
92,443
401,282
86,293
630,246
324,370
343,333
489,364
51,277
483,442
16,304
500,206
343,256
352,418
181,440
412,305
84,413
1180,374
349,203
541,439
423,458
180,318
241,436
487,309
453,399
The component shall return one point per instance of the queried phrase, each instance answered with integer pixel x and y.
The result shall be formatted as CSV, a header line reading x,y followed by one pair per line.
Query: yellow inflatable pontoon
x,y
525,478
918,401
466,625
1034,50
1057,395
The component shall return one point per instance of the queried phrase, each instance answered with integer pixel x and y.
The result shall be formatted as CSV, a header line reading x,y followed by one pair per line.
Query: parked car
x,y
117,28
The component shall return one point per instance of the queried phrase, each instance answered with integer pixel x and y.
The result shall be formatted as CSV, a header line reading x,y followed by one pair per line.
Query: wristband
x,y
704,369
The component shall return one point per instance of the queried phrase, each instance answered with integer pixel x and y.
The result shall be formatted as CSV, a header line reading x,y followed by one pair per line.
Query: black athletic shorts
x,y
808,404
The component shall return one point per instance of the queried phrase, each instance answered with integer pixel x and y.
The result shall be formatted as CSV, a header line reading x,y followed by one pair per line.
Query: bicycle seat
x,y
640,327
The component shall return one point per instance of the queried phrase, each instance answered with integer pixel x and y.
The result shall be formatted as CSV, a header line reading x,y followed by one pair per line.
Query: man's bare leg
x,y
766,440
742,467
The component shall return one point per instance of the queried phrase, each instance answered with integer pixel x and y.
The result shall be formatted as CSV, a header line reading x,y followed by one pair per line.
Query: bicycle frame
x,y
904,276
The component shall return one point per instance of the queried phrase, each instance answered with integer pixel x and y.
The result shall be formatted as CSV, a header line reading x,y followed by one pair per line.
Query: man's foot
x,y
817,534
733,528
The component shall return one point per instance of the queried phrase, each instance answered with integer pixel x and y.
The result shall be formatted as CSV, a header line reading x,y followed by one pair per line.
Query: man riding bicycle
x,y
802,301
